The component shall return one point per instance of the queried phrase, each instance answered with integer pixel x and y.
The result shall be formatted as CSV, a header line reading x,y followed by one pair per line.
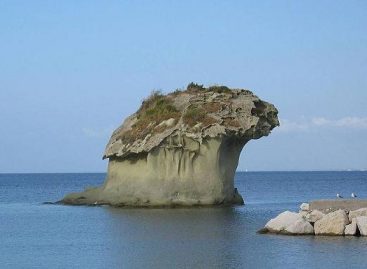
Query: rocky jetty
x,y
326,221
181,149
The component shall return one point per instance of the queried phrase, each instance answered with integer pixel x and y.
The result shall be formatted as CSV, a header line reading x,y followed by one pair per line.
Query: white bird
x,y
353,195
339,196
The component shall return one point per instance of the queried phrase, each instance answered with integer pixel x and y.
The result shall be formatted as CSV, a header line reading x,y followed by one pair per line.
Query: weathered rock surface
x,y
280,222
314,216
362,225
300,227
181,149
289,223
357,213
332,224
351,229
303,213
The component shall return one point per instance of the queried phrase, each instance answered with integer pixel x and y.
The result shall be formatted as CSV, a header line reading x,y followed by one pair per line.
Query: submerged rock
x,y
332,224
181,149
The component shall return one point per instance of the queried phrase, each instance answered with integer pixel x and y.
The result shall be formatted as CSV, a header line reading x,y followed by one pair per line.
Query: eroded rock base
x,y
180,173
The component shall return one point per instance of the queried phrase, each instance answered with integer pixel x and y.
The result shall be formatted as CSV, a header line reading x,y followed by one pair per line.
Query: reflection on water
x,y
167,237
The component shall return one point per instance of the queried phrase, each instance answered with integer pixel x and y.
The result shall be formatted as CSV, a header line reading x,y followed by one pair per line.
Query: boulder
x,y
314,216
181,149
362,225
289,223
351,229
357,213
280,222
332,224
300,226
303,213
305,207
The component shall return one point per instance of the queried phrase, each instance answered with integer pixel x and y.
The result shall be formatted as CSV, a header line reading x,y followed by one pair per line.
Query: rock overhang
x,y
196,112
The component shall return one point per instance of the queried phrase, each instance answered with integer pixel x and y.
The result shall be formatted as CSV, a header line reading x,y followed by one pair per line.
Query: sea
x,y
38,235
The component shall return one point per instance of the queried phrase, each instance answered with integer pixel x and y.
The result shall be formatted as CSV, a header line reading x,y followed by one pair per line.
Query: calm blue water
x,y
35,235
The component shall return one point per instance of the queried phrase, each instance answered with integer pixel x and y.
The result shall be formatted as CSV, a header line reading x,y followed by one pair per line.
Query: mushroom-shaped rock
x,y
332,224
181,149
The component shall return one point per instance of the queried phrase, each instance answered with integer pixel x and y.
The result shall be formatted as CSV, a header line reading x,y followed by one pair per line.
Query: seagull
x,y
353,195
339,196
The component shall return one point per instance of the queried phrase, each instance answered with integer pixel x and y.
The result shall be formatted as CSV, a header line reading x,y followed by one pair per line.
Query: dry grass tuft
x,y
195,115
155,109
212,107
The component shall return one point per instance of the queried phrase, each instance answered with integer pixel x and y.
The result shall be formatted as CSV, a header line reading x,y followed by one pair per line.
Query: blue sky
x,y
71,71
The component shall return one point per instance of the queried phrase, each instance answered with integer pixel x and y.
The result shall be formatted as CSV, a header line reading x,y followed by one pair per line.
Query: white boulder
x,y
314,216
303,213
357,213
351,229
362,225
332,224
300,226
305,207
289,223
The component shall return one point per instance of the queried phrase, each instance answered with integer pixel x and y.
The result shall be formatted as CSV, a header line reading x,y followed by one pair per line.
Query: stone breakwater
x,y
325,221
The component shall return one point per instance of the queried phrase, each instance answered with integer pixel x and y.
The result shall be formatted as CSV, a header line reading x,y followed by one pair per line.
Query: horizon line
x,y
239,171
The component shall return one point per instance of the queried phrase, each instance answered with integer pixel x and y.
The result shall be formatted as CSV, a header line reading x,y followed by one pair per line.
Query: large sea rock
x,y
181,149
